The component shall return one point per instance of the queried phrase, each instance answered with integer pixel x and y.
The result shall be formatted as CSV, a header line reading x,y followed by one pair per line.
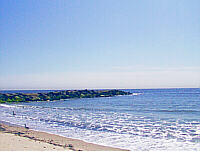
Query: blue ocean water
x,y
147,120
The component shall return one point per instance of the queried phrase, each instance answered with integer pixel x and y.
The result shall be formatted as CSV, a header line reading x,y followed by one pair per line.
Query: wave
x,y
102,109
6,105
190,111
136,93
60,108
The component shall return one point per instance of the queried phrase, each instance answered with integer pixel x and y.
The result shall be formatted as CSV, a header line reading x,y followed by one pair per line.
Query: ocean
x,y
147,120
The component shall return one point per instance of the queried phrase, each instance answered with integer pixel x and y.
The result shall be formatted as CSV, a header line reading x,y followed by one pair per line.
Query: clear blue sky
x,y
77,44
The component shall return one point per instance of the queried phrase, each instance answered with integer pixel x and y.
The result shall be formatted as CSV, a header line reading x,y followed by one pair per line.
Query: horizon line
x,y
100,88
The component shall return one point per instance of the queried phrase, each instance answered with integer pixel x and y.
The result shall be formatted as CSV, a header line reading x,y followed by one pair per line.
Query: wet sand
x,y
16,138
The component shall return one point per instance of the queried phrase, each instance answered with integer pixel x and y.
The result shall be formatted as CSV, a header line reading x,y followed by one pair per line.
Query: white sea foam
x,y
8,106
136,93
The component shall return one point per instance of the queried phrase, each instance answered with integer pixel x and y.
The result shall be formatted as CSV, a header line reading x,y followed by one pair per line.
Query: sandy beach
x,y
16,138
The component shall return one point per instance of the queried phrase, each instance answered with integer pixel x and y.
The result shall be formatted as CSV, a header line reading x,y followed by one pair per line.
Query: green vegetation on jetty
x,y
58,95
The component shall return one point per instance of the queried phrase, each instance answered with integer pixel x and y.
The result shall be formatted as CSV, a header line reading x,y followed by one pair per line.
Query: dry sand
x,y
16,138
10,142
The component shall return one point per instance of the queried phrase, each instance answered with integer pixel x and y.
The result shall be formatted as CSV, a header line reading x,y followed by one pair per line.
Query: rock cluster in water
x,y
58,95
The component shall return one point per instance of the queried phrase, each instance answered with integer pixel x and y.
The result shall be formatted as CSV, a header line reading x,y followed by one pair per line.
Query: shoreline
x,y
10,132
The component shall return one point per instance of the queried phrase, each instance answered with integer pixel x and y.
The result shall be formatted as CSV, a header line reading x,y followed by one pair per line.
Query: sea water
x,y
147,120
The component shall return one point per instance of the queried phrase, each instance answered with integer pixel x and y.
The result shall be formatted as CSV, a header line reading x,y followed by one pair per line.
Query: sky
x,y
79,44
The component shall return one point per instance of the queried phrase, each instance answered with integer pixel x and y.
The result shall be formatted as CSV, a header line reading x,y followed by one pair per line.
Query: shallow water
x,y
148,120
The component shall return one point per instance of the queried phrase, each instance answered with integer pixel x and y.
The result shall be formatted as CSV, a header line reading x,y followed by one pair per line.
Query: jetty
x,y
59,95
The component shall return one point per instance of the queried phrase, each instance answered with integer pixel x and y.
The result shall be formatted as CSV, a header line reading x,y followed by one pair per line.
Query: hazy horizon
x,y
99,44
90,89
